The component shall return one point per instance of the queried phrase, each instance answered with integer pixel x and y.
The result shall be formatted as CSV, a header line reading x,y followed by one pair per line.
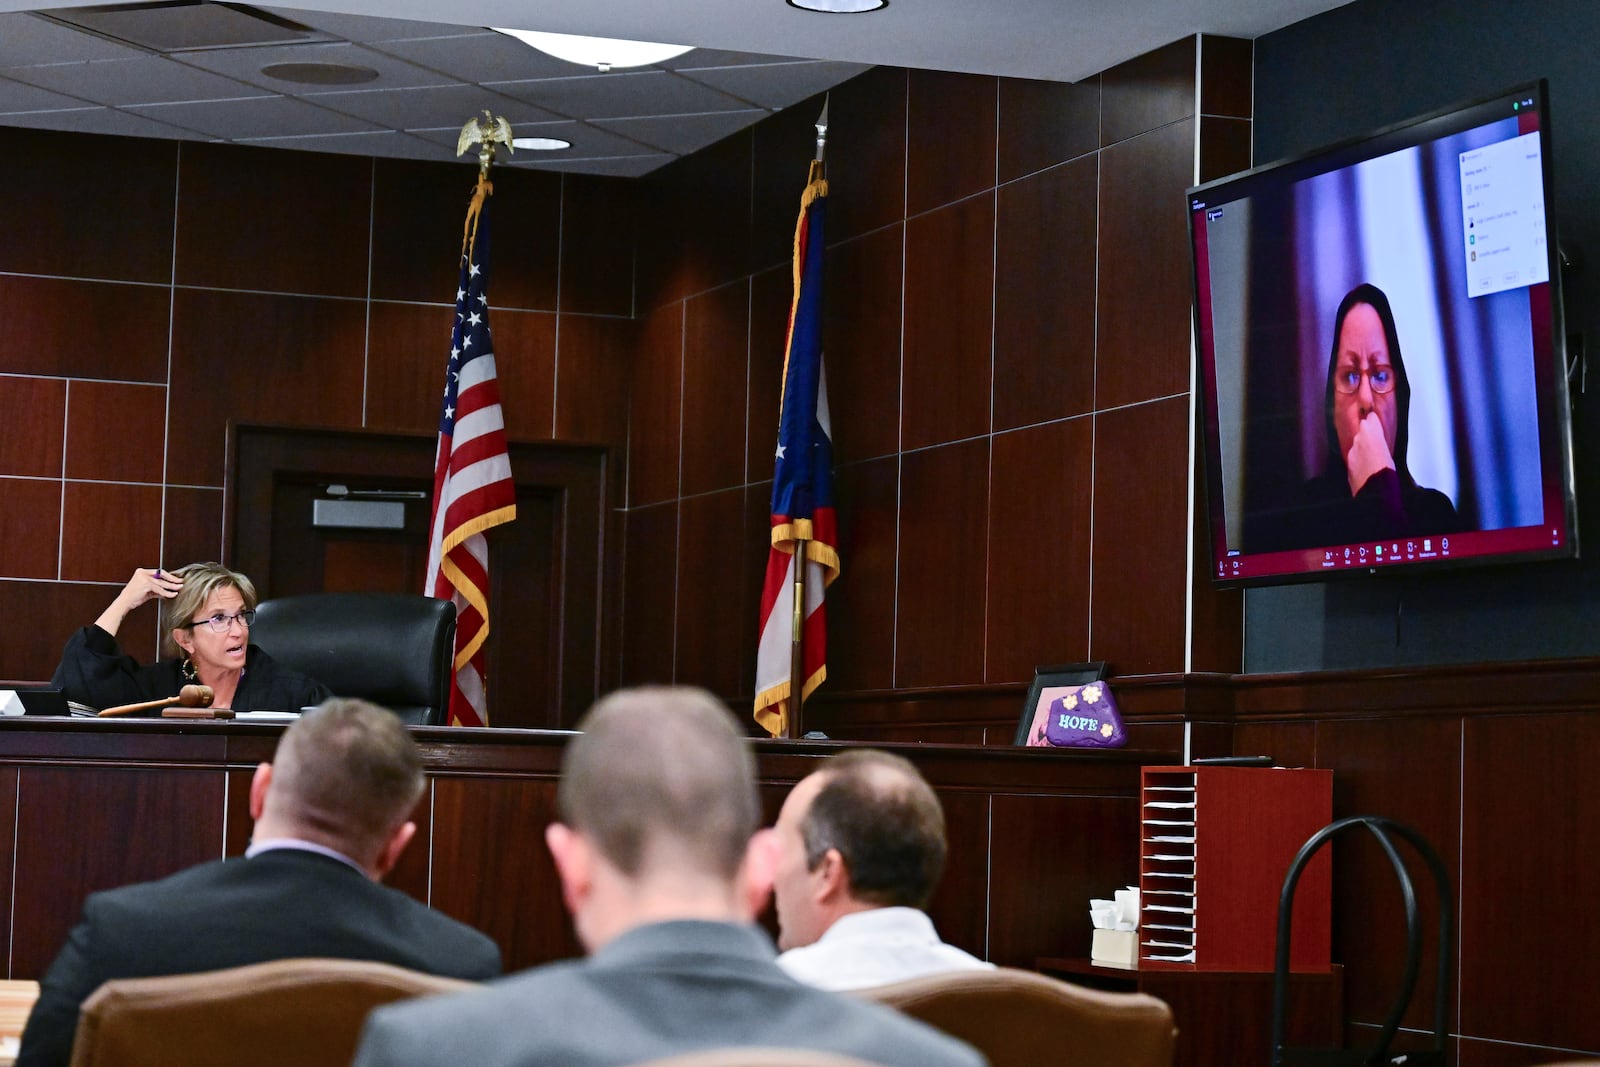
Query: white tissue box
x,y
1115,946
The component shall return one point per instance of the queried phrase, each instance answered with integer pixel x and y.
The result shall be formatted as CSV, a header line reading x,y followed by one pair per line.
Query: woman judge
x,y
207,618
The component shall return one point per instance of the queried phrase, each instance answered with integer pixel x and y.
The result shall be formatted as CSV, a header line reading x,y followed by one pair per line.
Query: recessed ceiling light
x,y
541,144
839,7
320,73
600,52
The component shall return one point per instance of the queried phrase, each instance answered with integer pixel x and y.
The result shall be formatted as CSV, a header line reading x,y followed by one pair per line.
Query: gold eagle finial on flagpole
x,y
487,131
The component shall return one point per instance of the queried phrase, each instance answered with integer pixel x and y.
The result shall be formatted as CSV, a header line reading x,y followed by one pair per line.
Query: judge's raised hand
x,y
1369,453
147,584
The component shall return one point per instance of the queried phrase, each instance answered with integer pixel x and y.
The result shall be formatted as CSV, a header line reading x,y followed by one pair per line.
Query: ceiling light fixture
x,y
541,144
603,53
839,7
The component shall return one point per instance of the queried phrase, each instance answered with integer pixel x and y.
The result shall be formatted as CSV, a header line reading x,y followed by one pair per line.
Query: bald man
x,y
861,846
663,870
332,816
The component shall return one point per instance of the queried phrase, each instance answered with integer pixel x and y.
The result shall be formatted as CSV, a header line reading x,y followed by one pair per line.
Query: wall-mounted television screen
x,y
1382,362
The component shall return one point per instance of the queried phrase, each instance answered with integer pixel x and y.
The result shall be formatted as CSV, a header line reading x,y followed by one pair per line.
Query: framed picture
x,y
1069,705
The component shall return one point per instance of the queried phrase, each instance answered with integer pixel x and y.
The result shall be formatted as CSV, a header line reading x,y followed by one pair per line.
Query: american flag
x,y
803,518
472,486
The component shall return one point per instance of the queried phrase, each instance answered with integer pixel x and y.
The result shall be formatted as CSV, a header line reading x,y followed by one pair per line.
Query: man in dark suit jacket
x,y
663,870
331,818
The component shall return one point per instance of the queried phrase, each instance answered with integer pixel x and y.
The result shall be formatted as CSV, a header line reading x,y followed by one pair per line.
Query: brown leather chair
x,y
1021,1019
306,1012
758,1057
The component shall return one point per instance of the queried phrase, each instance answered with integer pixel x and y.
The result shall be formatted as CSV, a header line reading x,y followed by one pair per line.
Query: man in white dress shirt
x,y
862,845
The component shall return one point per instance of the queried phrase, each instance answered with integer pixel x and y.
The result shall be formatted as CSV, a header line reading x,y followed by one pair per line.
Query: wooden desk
x,y
91,804
1224,1017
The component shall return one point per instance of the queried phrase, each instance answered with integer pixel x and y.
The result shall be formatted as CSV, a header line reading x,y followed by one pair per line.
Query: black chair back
x,y
393,649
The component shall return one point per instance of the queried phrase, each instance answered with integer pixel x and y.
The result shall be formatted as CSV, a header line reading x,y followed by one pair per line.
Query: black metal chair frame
x,y
1381,828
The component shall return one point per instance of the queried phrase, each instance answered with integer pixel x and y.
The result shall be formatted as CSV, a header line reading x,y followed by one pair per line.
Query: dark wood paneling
x,y
654,412
754,552
1408,770
711,541
950,138
1291,744
1144,268
127,235
1148,91
411,874
771,293
62,326
407,348
715,372
193,525
960,904
36,422
525,363
1141,509
67,821
290,360
510,893
698,233
867,126
861,342
53,610
1470,1053
599,224
8,852
783,147
1226,84
1044,302
649,595
261,218
1224,146
949,315
1524,837
943,499
108,530
593,369
861,608
1039,884
30,532
1216,627
1039,509
1043,123
115,431
418,210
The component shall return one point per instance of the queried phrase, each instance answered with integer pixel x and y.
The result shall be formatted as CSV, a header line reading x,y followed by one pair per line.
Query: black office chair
x,y
393,649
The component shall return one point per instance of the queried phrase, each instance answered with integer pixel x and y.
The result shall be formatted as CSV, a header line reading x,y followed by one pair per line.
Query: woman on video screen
x,y
1366,493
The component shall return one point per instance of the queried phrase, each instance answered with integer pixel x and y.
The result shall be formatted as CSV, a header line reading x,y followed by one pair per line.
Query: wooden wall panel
x,y
939,621
166,819
861,344
649,595
1043,123
89,329
947,369
712,539
655,414
115,431
593,372
37,421
868,128
1147,92
1527,835
29,548
861,610
598,222
716,334
109,530
951,138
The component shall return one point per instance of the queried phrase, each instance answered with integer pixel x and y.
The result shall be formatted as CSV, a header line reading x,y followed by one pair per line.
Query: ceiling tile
x,y
370,27
614,166
265,116
430,108
621,94
484,58
683,134
775,85
586,140
246,65
386,143
101,120
146,80
18,96
26,39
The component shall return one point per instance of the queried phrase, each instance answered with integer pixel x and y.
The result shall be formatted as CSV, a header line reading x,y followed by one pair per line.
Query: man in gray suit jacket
x,y
332,815
663,870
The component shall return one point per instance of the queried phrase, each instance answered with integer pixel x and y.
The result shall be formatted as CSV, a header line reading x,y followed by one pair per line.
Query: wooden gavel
x,y
190,696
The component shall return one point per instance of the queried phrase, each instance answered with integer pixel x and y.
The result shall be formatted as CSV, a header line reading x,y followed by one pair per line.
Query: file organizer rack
x,y
1216,843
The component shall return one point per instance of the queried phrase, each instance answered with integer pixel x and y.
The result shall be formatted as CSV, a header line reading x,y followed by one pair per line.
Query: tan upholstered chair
x,y
306,1012
758,1057
1021,1019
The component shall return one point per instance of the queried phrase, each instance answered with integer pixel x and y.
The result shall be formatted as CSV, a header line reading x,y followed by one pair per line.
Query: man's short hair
x,y
662,774
886,822
350,770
